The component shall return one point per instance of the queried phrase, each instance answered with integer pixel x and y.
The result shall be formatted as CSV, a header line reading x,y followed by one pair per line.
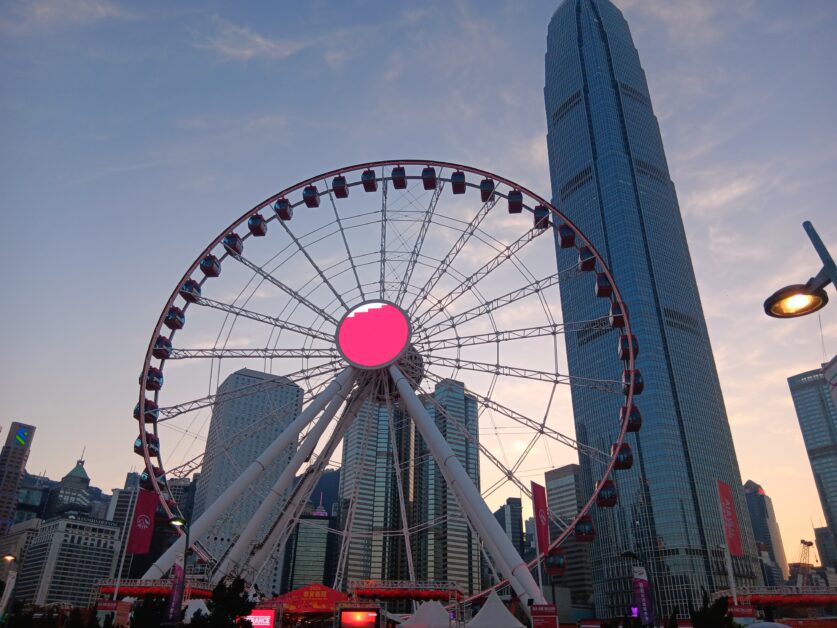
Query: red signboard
x,y
544,616
730,520
315,598
262,618
541,516
142,525
741,611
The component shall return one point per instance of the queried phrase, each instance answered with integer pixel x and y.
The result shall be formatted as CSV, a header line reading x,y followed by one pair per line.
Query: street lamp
x,y
801,299
11,559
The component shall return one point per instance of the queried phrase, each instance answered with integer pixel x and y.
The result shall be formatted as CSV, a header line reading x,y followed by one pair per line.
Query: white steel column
x,y
286,478
198,528
499,545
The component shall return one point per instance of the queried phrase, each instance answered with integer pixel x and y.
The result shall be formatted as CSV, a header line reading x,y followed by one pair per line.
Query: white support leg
x,y
499,545
260,556
241,547
199,527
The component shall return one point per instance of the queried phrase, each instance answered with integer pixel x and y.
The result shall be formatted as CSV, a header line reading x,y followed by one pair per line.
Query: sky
x,y
133,133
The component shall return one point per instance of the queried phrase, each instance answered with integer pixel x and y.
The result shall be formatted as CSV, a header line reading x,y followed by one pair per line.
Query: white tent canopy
x,y
429,615
494,614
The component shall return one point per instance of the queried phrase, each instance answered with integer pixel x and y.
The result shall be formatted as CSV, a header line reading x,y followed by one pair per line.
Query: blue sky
x,y
133,133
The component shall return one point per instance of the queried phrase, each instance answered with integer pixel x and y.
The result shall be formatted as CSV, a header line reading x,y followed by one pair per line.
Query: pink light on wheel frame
x,y
373,334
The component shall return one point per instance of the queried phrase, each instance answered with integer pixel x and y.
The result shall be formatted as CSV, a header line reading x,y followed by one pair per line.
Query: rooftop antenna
x,y
83,449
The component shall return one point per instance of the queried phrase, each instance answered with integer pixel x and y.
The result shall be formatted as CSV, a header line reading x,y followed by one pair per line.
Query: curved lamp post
x,y
801,299
10,585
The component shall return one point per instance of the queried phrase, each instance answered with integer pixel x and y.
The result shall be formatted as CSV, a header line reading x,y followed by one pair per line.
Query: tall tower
x,y
766,529
12,465
239,431
817,416
609,175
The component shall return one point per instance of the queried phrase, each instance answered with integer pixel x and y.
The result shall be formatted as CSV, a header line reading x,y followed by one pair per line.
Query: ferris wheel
x,y
368,289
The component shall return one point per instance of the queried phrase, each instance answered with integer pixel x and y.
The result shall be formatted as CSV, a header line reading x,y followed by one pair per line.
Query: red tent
x,y
315,598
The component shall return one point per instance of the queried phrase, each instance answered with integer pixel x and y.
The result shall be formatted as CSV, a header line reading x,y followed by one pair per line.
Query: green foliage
x,y
148,612
712,615
229,602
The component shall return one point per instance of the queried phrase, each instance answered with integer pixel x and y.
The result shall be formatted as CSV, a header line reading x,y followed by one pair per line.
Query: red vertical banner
x,y
142,525
729,519
541,516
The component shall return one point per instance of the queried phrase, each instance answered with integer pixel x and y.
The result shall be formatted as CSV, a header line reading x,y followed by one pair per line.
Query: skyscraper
x,y
239,431
609,175
510,518
817,416
766,529
12,466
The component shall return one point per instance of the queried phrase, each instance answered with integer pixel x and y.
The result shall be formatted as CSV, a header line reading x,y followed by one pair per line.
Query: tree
x,y
229,602
148,612
712,615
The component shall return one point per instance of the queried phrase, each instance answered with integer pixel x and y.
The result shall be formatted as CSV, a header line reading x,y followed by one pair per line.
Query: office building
x,y
510,518
609,174
311,551
72,494
766,529
16,543
32,497
12,467
826,547
817,416
65,558
240,429
564,498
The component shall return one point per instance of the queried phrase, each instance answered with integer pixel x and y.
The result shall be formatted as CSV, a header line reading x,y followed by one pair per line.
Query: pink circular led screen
x,y
373,334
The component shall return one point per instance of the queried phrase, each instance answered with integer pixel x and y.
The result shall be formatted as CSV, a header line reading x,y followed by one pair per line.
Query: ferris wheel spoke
x,y
456,342
538,426
345,240
502,256
490,306
170,412
284,288
264,318
383,251
425,224
443,266
270,353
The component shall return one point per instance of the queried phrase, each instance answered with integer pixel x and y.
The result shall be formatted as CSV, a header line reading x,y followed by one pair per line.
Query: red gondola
x,y
340,187
145,479
153,444
624,350
370,182
586,259
624,456
283,208
428,178
541,217
210,266
555,562
639,385
607,496
486,190
566,237
399,178
603,287
457,182
257,225
153,379
152,412
616,317
175,318
515,202
190,291
311,196
634,418
233,244
162,348
584,531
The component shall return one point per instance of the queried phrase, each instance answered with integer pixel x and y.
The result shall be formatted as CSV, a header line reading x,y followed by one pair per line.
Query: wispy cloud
x,y
24,17
233,42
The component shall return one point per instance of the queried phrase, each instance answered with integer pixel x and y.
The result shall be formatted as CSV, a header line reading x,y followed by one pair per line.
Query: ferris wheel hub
x,y
373,335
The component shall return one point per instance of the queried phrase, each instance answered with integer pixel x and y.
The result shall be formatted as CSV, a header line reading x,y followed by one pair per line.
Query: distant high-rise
x,y
766,529
241,428
609,175
826,547
72,494
817,416
311,551
12,466
510,518
564,498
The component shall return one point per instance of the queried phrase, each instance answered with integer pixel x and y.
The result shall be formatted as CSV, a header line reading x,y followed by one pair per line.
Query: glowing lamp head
x,y
793,301
177,522
373,335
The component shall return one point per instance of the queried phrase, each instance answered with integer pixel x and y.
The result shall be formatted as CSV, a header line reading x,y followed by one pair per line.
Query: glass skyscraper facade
x,y
818,421
609,175
766,532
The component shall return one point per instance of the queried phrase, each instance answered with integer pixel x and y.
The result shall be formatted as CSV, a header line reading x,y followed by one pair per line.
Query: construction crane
x,y
803,572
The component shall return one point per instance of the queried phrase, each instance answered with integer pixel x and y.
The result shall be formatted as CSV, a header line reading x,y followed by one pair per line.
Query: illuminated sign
x,y
262,617
22,436
373,334
364,618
